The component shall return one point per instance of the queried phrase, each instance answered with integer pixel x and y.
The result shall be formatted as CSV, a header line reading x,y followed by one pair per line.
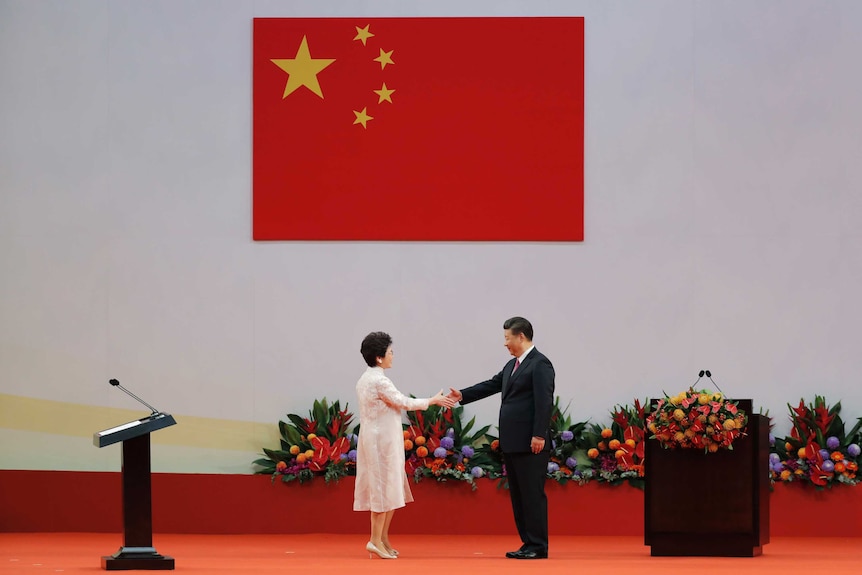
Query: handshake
x,y
446,401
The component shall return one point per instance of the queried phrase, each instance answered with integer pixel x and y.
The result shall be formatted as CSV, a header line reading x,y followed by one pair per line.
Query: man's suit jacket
x,y
526,404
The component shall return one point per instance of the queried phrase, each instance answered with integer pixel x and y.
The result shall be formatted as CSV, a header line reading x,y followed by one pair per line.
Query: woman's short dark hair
x,y
375,345
519,325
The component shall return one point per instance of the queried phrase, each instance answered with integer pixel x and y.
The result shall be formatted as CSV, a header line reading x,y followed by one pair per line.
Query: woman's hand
x,y
442,400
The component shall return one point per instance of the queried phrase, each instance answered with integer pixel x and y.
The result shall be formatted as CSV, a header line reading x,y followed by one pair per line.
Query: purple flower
x,y
450,432
447,443
832,442
853,450
774,458
440,452
824,454
467,451
342,457
477,471
351,455
771,440
571,462
553,467
777,467
828,466
567,435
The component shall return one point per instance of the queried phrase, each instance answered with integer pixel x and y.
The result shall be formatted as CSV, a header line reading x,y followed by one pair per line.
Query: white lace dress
x,y
381,482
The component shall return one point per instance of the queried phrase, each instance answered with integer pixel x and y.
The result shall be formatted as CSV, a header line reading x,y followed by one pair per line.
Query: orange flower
x,y
281,465
800,453
408,445
840,467
614,444
420,440
422,451
593,453
785,475
852,466
294,450
406,434
301,458
837,456
602,446
619,453
495,445
606,433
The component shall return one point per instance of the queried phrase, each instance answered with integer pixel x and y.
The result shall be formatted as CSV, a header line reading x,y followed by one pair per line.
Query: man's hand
x,y
454,394
537,444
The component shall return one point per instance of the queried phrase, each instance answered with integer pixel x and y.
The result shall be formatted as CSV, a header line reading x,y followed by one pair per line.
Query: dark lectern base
x,y
681,546
144,558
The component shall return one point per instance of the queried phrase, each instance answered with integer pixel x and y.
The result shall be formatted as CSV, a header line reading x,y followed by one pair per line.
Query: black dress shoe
x,y
526,554
511,554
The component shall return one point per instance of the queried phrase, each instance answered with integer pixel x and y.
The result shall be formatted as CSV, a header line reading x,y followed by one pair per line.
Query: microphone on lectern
x,y
708,374
116,383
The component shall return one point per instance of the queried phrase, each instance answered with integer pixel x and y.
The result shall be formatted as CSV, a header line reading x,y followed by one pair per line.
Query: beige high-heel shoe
x,y
371,548
390,550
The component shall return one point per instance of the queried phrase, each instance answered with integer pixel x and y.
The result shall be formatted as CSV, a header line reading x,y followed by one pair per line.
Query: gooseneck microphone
x,y
116,383
707,373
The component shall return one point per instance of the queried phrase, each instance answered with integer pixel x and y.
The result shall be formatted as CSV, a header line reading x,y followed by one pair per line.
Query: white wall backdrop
x,y
722,225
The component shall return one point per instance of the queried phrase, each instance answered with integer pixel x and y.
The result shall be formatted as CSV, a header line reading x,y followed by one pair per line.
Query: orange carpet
x,y
71,553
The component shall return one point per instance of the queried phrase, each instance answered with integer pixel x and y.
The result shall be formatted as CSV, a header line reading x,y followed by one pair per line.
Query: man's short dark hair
x,y
519,325
375,345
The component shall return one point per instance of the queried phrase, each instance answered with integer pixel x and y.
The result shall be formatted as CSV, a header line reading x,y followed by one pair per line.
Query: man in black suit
x,y
527,387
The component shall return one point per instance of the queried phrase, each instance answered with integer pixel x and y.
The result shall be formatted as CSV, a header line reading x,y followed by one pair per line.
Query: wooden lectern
x,y
137,551
709,504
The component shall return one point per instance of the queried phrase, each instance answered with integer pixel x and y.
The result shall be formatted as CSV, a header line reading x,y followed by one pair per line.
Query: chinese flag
x,y
464,129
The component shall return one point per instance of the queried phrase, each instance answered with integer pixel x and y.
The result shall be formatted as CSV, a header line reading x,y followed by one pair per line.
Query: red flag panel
x,y
461,129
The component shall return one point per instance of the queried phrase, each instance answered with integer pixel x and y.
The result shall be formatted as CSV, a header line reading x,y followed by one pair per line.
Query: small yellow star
x,y
363,34
384,94
362,117
302,70
384,58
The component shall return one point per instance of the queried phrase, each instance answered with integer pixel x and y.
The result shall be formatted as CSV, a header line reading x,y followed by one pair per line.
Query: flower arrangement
x,y
438,444
567,446
697,420
818,451
320,444
616,453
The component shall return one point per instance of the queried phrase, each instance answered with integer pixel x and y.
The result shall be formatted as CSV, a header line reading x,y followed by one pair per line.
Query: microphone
x,y
116,383
707,373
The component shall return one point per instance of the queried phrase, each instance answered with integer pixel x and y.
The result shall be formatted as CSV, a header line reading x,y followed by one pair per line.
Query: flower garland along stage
x,y
438,444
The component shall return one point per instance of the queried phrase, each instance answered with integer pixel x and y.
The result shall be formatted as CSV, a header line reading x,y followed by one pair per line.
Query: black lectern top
x,y
133,429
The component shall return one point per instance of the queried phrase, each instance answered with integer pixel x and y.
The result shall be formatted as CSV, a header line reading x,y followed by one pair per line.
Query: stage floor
x,y
71,553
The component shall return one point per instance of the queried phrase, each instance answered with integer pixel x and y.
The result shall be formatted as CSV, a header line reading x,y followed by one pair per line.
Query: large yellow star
x,y
384,94
303,70
363,34
384,58
362,117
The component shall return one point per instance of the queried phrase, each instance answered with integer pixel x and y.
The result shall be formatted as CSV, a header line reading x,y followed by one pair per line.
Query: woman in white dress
x,y
381,482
